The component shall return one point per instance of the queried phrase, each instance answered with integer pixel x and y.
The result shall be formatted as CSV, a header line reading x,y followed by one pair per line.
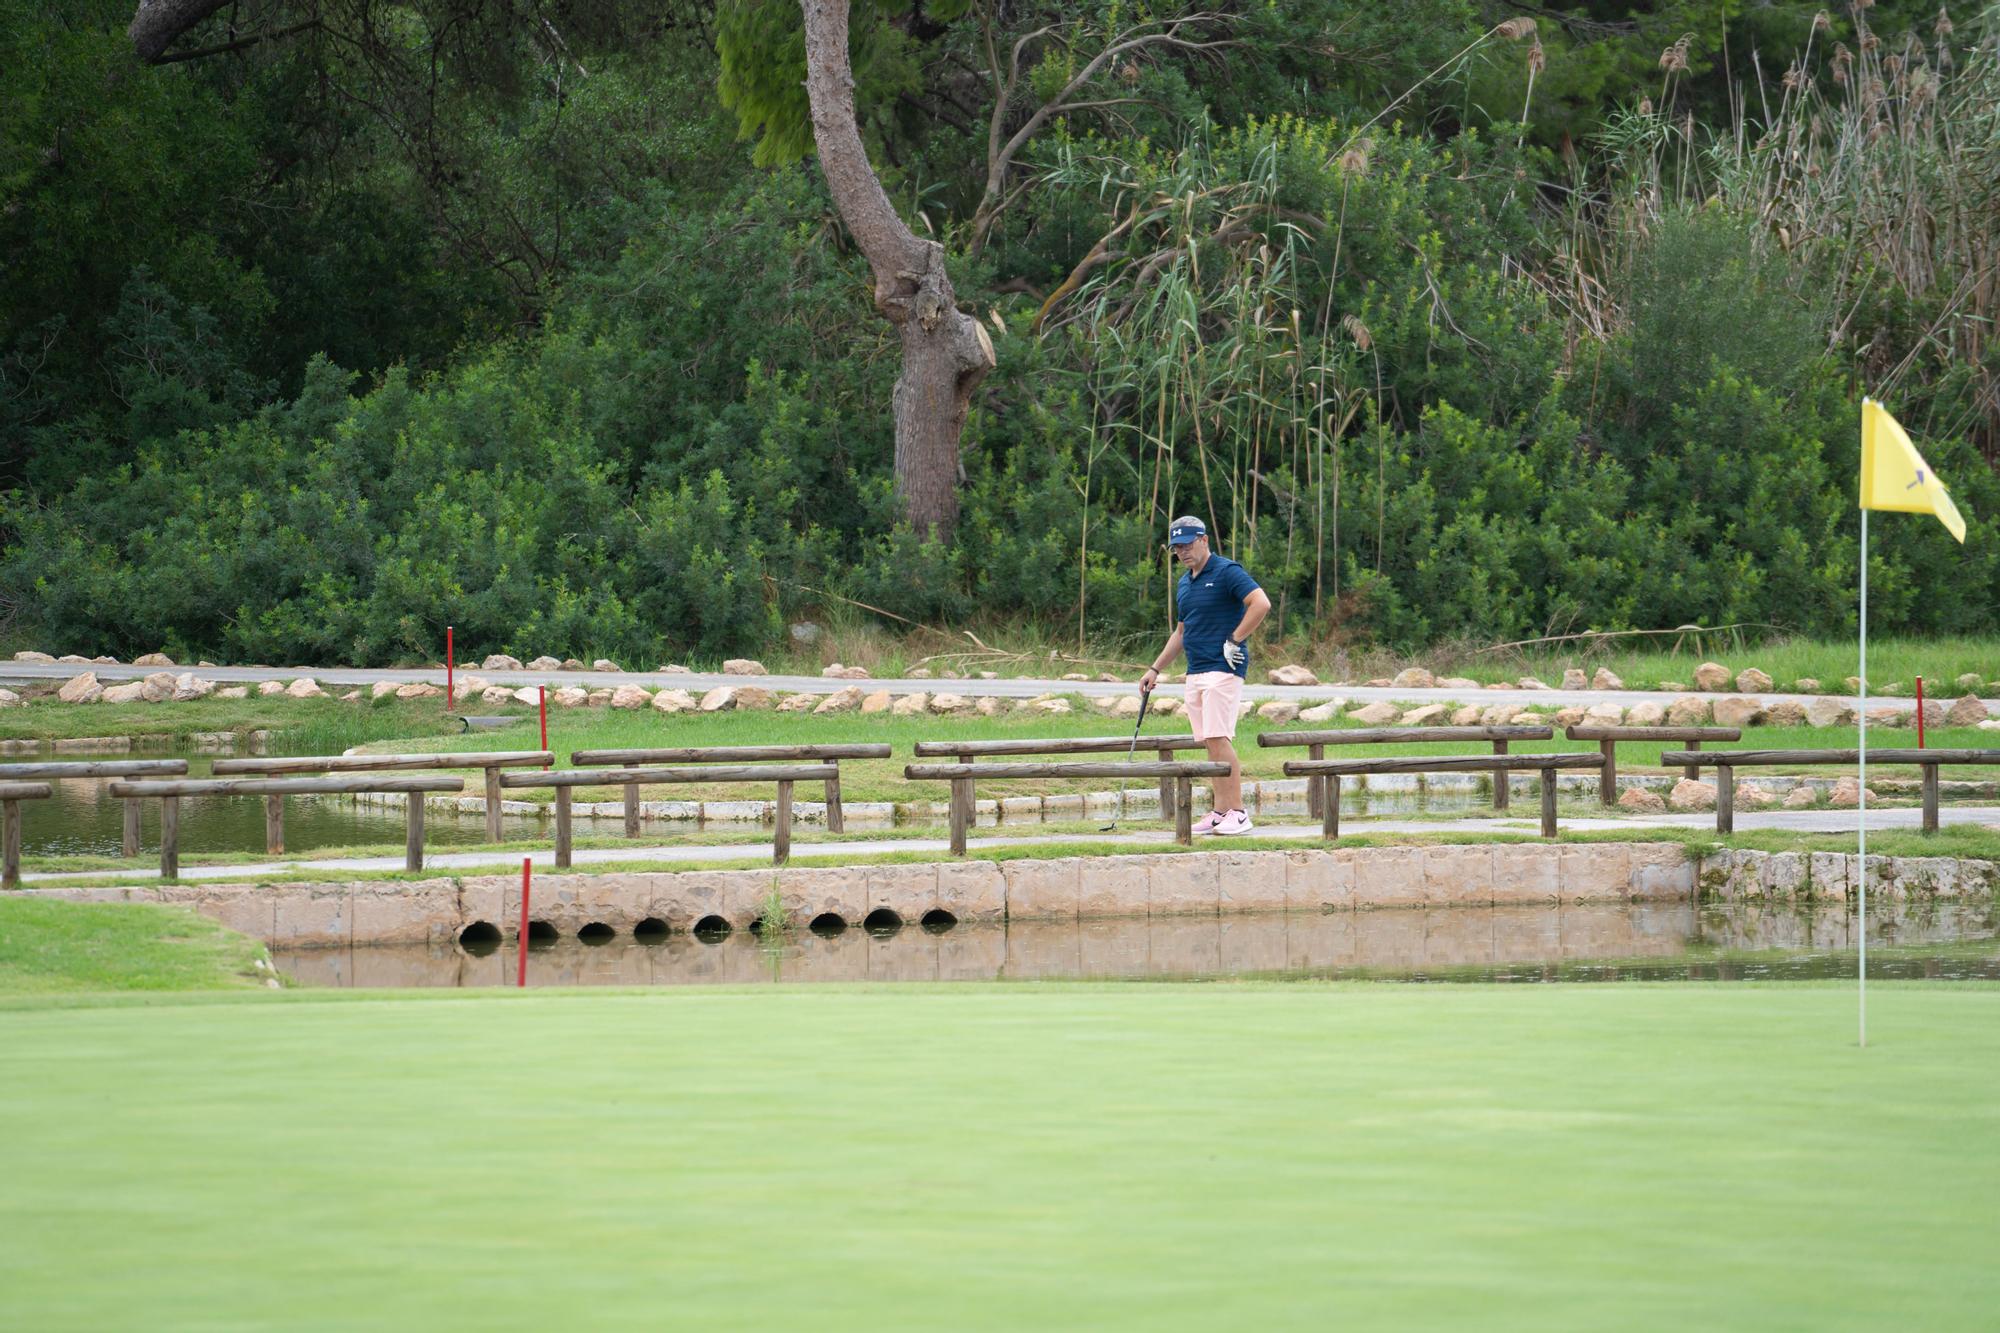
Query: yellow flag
x,y
1895,476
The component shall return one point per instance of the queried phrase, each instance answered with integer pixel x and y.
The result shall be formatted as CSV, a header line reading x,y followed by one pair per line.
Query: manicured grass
x,y
1648,662
54,947
298,726
1168,1156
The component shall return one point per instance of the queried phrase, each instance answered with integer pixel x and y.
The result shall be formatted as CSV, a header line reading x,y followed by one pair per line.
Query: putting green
x,y
1241,1156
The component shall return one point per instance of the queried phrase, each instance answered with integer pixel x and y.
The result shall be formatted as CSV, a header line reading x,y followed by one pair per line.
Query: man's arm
x,y
1255,607
1166,654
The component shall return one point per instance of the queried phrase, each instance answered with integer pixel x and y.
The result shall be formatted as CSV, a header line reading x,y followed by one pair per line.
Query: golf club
x,y
1145,701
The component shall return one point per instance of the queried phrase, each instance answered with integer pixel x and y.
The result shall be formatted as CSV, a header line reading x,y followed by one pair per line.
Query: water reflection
x,y
1579,943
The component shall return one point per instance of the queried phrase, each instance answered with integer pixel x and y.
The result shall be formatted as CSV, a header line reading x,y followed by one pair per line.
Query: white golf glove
x,y
1235,654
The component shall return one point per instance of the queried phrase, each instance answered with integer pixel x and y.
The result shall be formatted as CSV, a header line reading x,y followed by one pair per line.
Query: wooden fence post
x,y
563,798
781,837
413,841
1930,798
274,826
631,809
492,803
1693,771
132,813
835,821
1167,790
1725,799
961,813
1315,787
1329,818
1549,802
170,837
10,844
1607,785
1184,811
1500,779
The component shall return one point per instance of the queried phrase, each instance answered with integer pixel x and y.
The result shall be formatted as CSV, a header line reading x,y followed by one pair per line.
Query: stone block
x,y
1458,876
808,893
1783,875
1116,885
1660,872
1189,883
1830,874
972,891
908,891
1388,877
386,912
1596,872
1319,881
1252,881
1037,889
1527,873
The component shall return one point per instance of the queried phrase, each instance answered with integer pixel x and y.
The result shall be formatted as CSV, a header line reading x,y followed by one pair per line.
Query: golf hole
x,y
597,933
711,929
828,924
937,921
649,931
882,921
479,938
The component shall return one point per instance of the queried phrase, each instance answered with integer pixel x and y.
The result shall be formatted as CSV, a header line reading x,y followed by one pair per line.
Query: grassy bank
x,y
297,726
54,948
1002,1157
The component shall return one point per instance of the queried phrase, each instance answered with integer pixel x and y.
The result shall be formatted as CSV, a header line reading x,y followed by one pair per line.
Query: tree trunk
x,y
946,352
158,23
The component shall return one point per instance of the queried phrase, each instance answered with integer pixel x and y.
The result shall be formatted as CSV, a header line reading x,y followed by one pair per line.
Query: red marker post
x,y
449,658
1920,712
543,692
527,875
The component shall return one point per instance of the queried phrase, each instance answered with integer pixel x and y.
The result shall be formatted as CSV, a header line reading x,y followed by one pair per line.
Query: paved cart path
x,y
759,853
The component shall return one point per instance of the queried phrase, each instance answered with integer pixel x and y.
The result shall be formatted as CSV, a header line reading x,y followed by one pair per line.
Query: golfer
x,y
1220,606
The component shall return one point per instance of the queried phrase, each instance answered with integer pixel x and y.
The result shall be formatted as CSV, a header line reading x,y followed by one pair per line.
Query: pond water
x,y
1609,942
83,818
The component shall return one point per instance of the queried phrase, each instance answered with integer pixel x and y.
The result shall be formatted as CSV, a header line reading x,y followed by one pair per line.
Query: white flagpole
x,y
1863,799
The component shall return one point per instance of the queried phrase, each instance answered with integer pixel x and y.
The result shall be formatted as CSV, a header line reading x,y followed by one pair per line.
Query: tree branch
x,y
158,24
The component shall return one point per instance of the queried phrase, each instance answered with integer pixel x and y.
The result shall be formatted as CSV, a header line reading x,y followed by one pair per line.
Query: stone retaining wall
x,y
1070,888
1194,884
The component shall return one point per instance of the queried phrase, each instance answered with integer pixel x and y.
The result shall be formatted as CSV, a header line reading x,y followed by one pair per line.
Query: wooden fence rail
x,y
101,768
11,796
831,755
1163,746
1317,741
1607,739
1332,770
489,760
1726,762
274,791
962,775
567,780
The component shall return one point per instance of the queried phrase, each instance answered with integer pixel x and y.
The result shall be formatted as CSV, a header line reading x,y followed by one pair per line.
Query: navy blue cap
x,y
1185,530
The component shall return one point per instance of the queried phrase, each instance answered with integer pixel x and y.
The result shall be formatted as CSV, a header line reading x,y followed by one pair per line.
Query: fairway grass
x,y
1028,1156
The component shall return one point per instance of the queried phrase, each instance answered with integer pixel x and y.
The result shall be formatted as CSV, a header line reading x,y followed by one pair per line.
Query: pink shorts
x,y
1212,700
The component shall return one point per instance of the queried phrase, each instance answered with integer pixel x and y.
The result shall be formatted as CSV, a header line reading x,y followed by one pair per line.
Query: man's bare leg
x,y
1227,791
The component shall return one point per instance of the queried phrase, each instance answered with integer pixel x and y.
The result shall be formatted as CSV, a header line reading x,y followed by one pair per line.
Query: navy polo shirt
x,y
1210,605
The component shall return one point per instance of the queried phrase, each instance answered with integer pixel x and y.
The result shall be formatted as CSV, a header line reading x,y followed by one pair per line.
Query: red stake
x,y
543,691
527,872
449,657
1920,712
